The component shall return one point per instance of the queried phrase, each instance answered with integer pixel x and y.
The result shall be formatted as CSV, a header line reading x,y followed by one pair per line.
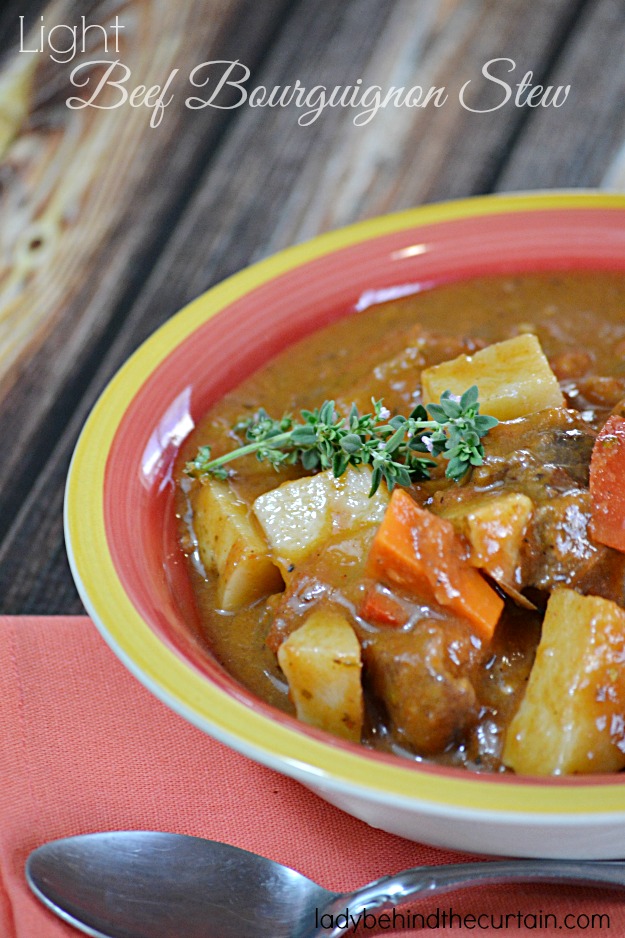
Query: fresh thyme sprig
x,y
400,450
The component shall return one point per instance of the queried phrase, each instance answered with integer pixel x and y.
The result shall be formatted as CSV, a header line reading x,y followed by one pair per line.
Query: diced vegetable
x,y
514,378
607,485
380,606
421,553
230,542
494,527
571,719
322,664
297,517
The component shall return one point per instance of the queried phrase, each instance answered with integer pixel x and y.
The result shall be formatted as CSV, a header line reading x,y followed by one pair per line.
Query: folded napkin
x,y
85,747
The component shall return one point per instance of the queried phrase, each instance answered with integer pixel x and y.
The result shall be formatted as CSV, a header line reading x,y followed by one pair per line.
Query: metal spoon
x,y
143,884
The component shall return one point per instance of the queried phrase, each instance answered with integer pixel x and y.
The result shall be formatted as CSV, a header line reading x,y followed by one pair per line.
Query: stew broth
x,y
579,318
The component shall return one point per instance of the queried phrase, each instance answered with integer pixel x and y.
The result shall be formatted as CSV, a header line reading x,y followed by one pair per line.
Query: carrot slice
x,y
607,485
381,607
421,553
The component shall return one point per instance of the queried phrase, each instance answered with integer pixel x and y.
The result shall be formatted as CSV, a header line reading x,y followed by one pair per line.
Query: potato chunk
x,y
494,528
297,517
513,377
322,663
572,717
230,542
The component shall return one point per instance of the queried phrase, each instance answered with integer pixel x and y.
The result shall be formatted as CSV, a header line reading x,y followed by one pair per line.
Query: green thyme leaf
x,y
400,450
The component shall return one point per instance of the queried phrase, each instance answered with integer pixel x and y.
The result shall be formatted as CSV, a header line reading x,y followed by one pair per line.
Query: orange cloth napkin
x,y
85,747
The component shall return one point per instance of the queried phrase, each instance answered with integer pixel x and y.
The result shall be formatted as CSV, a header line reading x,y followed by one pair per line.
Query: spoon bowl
x,y
145,884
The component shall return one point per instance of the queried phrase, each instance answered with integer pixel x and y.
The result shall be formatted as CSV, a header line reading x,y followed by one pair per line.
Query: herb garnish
x,y
393,447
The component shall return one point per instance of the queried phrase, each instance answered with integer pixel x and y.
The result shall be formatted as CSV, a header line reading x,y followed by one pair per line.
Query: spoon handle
x,y
391,891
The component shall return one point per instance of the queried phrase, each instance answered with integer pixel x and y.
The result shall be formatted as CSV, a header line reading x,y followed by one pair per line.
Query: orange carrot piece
x,y
382,608
607,485
421,553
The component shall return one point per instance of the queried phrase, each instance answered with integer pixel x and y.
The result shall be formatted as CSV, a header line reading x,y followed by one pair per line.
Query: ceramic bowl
x,y
121,530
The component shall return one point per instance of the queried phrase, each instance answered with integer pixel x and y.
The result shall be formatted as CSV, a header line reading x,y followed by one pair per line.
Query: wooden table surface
x,y
108,225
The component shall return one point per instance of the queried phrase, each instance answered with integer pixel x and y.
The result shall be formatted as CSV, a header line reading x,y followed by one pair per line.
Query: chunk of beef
x,y
547,457
538,455
557,547
594,391
423,679
573,363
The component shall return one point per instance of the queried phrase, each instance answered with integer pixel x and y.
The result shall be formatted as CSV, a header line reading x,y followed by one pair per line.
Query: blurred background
x,y
109,225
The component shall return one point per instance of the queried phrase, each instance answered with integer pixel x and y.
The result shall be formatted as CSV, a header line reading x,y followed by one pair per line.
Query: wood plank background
x,y
143,219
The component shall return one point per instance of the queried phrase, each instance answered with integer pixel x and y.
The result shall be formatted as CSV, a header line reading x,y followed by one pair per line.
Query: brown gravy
x,y
579,318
